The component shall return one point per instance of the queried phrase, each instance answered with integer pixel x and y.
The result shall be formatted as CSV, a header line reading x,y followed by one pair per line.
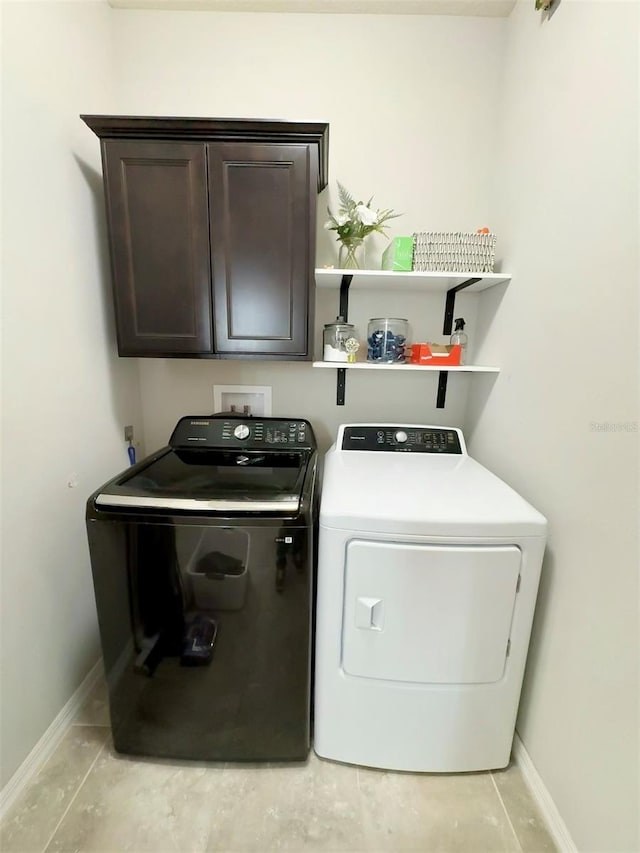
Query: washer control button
x,y
241,431
401,436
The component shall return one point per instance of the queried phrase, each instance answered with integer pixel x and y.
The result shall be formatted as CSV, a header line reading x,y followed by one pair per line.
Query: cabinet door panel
x,y
262,216
158,217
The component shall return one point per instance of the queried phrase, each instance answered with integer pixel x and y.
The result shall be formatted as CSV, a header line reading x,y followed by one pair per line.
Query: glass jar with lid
x,y
387,339
334,341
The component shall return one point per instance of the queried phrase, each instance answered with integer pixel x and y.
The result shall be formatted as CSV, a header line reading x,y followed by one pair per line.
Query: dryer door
x,y
428,613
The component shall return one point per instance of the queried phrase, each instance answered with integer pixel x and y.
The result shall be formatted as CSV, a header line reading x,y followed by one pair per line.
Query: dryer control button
x,y
241,431
401,436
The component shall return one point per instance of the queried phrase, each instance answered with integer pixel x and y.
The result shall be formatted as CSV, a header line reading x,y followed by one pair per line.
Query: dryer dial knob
x,y
241,431
401,436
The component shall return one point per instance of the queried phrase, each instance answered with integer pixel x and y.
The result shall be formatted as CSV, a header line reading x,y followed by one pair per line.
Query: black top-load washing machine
x,y
202,558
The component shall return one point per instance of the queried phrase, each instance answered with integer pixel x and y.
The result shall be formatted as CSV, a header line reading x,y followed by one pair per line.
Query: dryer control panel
x,y
402,439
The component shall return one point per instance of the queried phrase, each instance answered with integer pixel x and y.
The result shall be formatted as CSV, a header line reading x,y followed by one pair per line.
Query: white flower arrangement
x,y
354,221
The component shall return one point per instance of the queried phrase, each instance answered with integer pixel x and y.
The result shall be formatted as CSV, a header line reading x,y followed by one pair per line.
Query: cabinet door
x,y
159,233
262,219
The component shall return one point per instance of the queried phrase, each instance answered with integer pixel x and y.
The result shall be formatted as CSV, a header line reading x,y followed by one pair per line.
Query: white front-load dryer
x,y
428,571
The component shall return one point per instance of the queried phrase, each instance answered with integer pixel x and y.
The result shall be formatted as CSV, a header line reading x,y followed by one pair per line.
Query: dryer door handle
x,y
369,613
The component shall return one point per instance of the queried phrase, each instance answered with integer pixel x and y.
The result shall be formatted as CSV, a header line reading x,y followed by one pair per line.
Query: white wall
x,y
566,332
66,396
412,106
566,214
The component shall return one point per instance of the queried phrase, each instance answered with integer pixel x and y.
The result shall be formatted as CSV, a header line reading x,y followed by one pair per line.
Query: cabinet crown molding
x,y
217,129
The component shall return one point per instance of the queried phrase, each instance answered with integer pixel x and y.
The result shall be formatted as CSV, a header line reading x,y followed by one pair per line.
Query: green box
x,y
398,255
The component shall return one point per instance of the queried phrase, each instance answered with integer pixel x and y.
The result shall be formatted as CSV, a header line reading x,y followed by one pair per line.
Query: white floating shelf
x,y
419,281
365,365
446,283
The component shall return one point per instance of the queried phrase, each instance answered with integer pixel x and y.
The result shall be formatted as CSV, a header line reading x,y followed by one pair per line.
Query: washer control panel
x,y
247,433
403,439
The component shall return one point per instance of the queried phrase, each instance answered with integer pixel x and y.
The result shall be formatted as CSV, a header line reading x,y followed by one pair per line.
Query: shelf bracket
x,y
443,376
345,283
343,311
447,329
450,304
342,376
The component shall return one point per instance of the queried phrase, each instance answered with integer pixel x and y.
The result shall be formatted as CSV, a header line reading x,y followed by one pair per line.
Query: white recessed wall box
x,y
243,399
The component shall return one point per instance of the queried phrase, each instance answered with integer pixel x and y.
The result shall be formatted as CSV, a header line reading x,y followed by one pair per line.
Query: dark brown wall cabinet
x,y
212,234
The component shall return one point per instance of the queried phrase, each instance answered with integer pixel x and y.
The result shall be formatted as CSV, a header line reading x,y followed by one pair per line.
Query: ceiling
x,y
477,8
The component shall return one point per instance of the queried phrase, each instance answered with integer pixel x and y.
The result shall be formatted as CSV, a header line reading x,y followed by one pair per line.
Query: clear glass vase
x,y
352,256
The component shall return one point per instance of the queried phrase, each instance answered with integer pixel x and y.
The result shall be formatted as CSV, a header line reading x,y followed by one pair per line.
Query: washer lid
x,y
422,494
228,481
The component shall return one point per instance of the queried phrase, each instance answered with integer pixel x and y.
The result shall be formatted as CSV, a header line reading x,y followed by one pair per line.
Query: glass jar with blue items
x,y
387,339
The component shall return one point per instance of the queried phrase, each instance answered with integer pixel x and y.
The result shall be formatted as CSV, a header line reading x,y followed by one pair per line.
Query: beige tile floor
x,y
88,798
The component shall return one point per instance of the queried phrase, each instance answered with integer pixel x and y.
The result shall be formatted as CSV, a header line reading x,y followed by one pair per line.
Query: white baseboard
x,y
556,826
47,744
45,747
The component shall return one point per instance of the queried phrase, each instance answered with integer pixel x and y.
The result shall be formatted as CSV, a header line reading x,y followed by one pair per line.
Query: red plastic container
x,y
422,354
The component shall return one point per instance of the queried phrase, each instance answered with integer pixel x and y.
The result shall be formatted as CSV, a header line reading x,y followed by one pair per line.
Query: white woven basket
x,y
453,251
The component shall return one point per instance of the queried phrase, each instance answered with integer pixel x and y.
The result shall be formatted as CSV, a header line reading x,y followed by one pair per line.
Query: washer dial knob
x,y
401,436
241,431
